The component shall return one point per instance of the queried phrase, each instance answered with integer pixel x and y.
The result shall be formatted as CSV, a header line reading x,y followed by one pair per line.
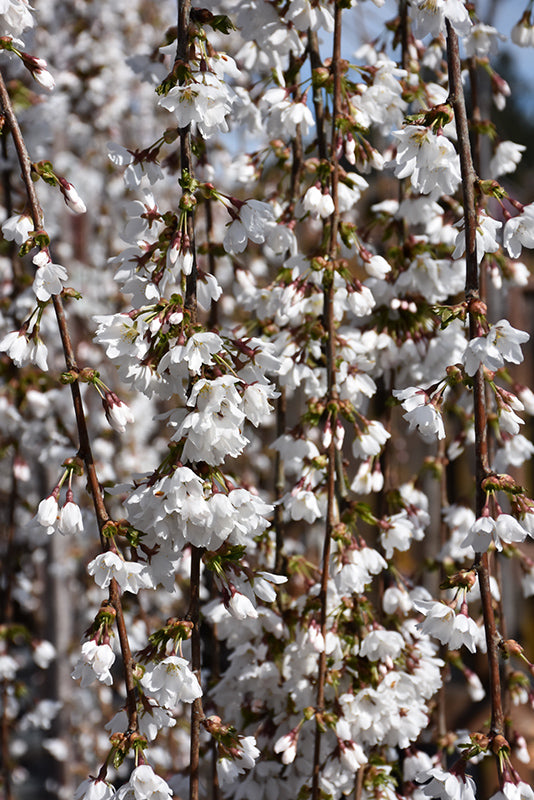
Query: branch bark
x,y
457,100
329,333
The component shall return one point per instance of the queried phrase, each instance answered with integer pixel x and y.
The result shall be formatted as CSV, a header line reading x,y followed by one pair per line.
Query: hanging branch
x,y
476,308
9,575
329,333
193,614
85,451
186,158
316,63
281,403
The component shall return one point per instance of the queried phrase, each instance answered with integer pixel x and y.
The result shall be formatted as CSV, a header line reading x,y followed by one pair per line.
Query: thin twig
x,y
186,166
280,484
316,63
196,707
85,451
186,158
457,100
329,328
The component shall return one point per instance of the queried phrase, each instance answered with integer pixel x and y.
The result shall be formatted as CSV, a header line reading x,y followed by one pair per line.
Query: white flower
x,y
507,340
519,232
94,664
23,350
105,567
15,16
361,301
256,402
49,277
130,575
377,267
171,681
287,745
136,169
396,600
421,414
514,791
527,583
41,74
398,534
118,414
428,159
483,40
72,198
509,421
370,441
505,159
70,519
486,237
414,763
429,16
304,15
146,785
253,221
17,228
500,344
302,504
262,585
200,348
368,479
381,644
241,607
439,619
44,653
351,755
486,530
447,785
318,203
48,512
521,751
465,632
246,754
522,33
8,667
474,686
205,102
93,789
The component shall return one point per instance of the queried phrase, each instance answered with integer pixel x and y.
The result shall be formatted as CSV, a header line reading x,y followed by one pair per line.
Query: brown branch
x,y
85,451
280,484
330,331
197,713
316,63
186,166
457,100
7,618
404,25
186,158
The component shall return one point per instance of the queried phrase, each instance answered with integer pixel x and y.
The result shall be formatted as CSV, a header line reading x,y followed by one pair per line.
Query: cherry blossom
x,y
518,232
171,681
487,530
94,664
428,159
421,415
